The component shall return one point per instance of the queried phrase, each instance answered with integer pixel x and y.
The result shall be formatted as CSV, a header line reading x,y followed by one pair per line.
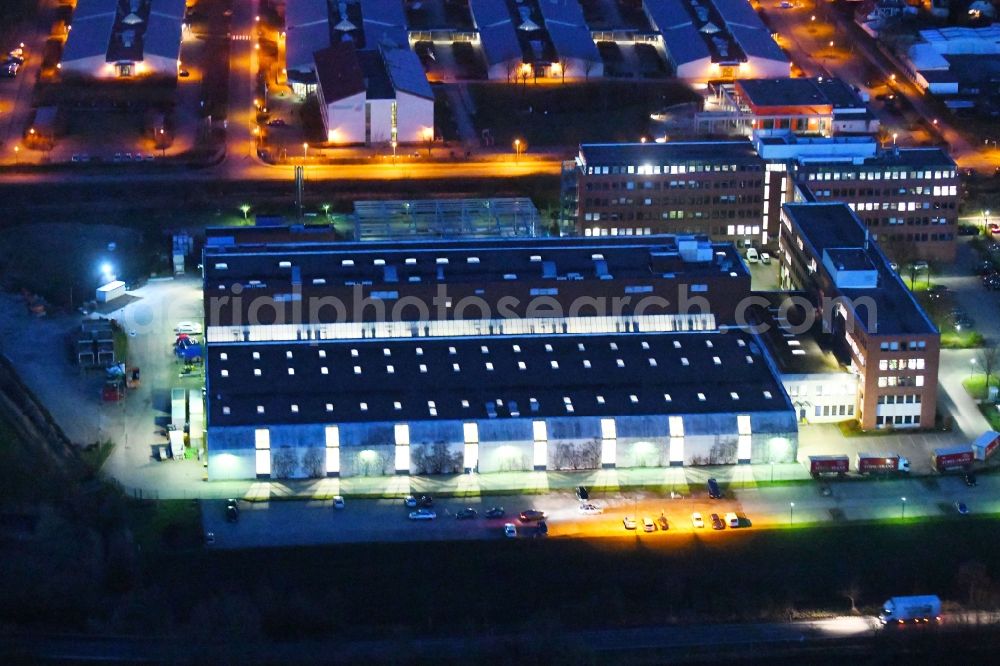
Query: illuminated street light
x,y
972,367
791,513
902,508
394,143
895,135
305,150
246,209
17,152
326,210
517,150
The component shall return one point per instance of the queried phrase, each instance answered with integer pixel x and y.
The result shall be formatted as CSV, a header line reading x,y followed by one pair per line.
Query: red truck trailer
x,y
819,465
882,463
953,457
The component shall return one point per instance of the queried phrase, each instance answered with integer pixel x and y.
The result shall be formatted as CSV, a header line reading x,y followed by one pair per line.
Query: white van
x,y
752,256
732,520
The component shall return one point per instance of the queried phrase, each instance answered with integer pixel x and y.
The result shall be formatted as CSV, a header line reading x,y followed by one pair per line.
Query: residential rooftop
x,y
481,378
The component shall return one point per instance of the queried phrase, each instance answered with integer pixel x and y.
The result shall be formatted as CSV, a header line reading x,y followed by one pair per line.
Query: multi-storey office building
x,y
509,364
884,334
719,188
907,198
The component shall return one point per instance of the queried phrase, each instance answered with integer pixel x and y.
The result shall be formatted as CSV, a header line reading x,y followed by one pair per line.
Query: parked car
x,y
590,509
717,523
662,523
968,230
994,227
937,291
232,511
582,494
648,525
732,520
970,480
629,522
962,509
467,513
183,73
531,515
696,520
423,514
713,489
276,122
542,529
510,530
338,501
752,255
410,502
425,501
189,327
765,257
495,512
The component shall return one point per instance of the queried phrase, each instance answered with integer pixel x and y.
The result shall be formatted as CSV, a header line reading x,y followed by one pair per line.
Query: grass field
x,y
477,586
566,115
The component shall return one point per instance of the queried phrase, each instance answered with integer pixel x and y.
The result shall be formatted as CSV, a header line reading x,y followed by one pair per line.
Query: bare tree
x,y
988,358
563,64
852,591
283,463
588,67
313,462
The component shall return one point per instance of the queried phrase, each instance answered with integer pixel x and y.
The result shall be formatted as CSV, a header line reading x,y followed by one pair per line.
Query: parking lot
x,y
268,524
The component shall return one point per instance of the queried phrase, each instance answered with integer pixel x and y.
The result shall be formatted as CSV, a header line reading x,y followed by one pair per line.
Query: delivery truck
x,y
882,463
176,443
178,408
899,610
953,457
986,444
820,465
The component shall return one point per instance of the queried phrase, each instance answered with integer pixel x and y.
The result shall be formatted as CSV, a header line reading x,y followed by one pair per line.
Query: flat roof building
x,y
718,188
112,39
820,106
873,318
540,386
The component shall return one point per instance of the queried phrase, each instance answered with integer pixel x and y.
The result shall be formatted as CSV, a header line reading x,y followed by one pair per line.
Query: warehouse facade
x,y
544,385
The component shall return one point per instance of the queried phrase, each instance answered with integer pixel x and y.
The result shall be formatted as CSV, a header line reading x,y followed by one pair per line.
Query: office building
x,y
719,188
876,325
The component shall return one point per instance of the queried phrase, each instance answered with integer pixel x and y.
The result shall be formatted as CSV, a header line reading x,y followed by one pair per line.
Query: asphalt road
x,y
289,523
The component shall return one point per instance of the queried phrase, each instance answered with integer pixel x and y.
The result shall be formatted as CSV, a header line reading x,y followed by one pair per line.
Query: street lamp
x,y
17,152
246,209
972,367
517,150
305,150
902,508
326,210
791,513
895,135
163,144
394,143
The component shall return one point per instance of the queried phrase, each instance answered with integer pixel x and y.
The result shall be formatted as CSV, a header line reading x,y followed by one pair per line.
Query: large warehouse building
x,y
715,40
124,38
520,354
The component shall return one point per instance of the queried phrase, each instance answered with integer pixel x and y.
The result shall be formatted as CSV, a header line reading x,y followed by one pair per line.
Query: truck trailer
x,y
178,408
900,610
819,465
882,463
953,457
986,444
